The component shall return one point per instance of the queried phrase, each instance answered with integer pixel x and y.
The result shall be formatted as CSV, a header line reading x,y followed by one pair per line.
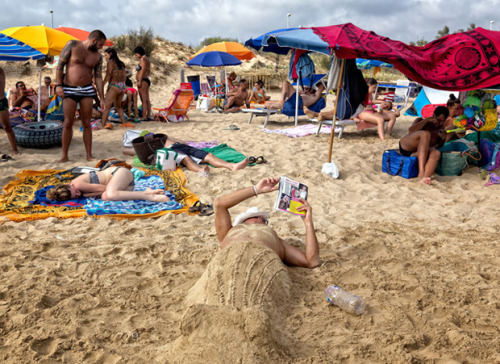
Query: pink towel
x,y
302,130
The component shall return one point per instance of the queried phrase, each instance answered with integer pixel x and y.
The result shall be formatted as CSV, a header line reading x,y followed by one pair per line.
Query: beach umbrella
x,y
214,59
233,48
14,50
256,43
299,38
81,34
46,40
366,64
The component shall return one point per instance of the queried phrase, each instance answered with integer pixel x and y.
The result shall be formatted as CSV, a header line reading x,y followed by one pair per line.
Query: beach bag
x,y
166,159
490,155
396,164
146,146
454,158
129,136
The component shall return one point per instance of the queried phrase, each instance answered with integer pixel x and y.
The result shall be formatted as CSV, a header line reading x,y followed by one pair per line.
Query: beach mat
x,y
15,205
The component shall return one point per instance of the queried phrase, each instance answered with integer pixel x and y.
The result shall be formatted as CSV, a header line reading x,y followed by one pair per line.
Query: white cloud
x,y
191,21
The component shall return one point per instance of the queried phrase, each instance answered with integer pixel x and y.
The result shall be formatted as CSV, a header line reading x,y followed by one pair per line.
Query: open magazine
x,y
288,196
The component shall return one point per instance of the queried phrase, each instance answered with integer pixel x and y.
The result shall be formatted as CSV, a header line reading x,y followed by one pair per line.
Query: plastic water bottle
x,y
345,300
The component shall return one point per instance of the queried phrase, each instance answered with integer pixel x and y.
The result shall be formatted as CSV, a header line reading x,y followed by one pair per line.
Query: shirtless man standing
x,y
4,114
252,226
82,61
237,97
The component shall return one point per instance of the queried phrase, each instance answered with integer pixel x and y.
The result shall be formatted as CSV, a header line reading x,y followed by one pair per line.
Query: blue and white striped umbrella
x,y
14,50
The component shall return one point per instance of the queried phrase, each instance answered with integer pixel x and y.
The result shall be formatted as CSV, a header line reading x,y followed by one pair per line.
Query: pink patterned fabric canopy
x,y
462,61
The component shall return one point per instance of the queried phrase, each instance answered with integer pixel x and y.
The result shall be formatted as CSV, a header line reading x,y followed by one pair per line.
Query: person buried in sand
x,y
83,62
252,226
191,157
237,97
4,115
112,184
423,139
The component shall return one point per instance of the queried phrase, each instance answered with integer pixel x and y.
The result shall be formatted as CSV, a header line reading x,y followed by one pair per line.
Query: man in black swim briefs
x,y
83,64
4,114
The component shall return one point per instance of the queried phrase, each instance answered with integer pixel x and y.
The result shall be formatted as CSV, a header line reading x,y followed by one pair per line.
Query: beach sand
x,y
425,259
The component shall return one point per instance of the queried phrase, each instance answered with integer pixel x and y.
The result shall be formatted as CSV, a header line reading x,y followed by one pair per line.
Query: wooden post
x,y
332,134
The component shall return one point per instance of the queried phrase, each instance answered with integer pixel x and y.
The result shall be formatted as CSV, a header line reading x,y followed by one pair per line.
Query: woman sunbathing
x,y
112,184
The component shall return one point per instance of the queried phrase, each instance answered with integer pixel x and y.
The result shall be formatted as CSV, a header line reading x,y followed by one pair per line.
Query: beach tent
x,y
428,96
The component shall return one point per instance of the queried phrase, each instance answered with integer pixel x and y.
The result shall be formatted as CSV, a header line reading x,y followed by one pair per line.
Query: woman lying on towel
x,y
112,184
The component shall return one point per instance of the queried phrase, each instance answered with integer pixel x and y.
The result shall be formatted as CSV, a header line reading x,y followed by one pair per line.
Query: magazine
x,y
288,196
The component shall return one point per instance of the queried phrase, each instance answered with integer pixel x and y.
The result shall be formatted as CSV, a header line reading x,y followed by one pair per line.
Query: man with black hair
x,y
83,64
422,141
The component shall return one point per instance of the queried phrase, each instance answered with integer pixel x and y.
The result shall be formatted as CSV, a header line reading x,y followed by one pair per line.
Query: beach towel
x,y
461,61
302,130
15,202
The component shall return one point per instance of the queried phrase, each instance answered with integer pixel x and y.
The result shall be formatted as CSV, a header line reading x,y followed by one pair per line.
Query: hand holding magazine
x,y
289,193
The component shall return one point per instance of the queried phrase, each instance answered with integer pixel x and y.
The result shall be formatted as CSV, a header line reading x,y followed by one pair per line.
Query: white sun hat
x,y
251,212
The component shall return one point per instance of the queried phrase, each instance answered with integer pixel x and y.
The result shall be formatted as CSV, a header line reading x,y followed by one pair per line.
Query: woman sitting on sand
x,y
376,116
258,94
112,184
115,75
455,108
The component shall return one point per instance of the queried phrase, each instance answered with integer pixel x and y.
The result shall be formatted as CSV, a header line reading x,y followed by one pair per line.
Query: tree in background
x,y
420,42
471,27
143,37
443,32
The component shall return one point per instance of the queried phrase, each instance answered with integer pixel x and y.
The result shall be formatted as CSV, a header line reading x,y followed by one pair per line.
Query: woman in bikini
x,y
258,94
143,82
112,184
375,116
115,75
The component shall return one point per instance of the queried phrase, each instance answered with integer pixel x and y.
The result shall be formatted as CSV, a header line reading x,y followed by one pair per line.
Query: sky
x,y
191,21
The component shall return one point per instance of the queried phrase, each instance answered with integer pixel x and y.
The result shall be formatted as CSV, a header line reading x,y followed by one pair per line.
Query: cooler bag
x,y
396,164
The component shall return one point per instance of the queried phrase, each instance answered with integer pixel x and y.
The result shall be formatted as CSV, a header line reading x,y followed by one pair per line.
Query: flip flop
x,y
232,127
196,207
261,160
127,125
207,210
5,158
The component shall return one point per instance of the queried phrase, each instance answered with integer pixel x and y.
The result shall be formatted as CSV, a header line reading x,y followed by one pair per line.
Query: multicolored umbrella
x,y
14,50
45,40
233,48
81,34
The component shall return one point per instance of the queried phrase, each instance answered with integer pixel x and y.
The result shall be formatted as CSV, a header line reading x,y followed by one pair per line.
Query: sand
x,y
424,258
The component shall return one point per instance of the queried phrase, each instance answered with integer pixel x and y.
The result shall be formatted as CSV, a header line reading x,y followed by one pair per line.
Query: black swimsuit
x,y
94,178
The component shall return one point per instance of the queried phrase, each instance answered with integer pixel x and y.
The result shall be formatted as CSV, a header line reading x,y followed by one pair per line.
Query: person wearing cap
x,y
252,226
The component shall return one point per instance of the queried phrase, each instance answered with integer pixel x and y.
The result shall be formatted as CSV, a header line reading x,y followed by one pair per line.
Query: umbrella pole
x,y
225,74
332,133
297,103
39,91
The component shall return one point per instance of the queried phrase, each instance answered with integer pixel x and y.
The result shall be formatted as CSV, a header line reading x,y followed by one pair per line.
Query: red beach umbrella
x,y
81,34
